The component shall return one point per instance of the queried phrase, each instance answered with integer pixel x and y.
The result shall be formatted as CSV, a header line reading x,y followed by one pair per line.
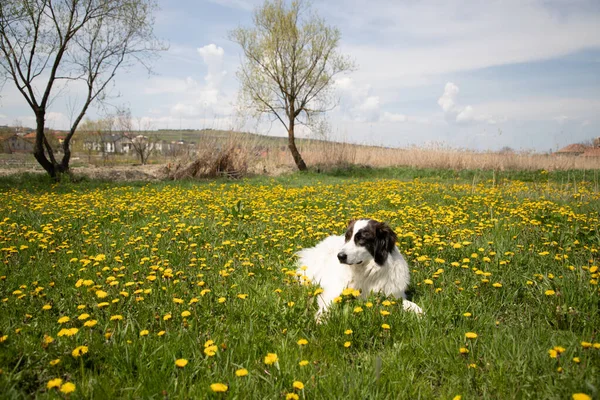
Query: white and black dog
x,y
366,258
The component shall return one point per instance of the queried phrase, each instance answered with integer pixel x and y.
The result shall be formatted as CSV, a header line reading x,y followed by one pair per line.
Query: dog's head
x,y
367,240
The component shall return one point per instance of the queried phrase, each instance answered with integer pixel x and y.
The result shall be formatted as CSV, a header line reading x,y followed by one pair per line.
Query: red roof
x,y
573,148
595,152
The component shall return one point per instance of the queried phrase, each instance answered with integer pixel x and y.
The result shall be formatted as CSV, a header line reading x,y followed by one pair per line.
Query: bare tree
x,y
143,145
46,44
290,63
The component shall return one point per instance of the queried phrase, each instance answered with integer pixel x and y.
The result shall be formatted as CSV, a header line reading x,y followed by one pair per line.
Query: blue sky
x,y
474,74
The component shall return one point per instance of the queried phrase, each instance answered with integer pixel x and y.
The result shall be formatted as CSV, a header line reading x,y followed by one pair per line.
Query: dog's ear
x,y
385,240
350,229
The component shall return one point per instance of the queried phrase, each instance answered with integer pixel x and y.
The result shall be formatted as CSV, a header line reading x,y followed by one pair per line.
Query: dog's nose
x,y
343,257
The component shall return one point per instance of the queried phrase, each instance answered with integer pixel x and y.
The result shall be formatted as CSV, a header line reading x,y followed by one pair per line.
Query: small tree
x,y
143,145
290,63
43,42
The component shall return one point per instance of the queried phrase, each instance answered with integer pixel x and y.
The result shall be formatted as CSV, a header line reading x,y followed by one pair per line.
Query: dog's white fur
x,y
321,266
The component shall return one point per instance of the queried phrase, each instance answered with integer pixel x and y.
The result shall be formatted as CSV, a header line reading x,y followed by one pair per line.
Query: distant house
x,y
573,150
12,143
108,143
591,152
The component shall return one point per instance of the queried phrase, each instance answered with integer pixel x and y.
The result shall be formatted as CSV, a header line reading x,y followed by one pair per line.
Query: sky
x,y
478,74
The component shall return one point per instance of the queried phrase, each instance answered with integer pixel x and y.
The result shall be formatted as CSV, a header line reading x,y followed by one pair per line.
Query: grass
x,y
517,251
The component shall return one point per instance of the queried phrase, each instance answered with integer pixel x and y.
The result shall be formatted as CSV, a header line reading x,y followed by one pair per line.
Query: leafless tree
x,y
45,44
143,144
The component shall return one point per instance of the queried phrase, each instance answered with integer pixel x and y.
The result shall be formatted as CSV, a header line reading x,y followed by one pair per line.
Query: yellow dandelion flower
x,y
358,309
63,320
348,332
241,372
303,363
222,299
347,344
581,396
385,326
54,383
182,362
298,385
91,323
79,351
67,388
549,292
218,387
144,332
271,358
186,314
302,342
291,396
471,335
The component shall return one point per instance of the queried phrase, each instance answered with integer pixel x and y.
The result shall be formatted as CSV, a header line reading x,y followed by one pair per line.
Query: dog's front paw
x,y
410,306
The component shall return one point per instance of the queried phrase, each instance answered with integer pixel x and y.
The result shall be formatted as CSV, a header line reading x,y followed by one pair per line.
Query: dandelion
x,y
385,326
101,294
144,332
348,332
54,383
55,362
271,358
116,318
67,388
303,363
63,320
586,345
471,335
384,313
291,396
83,317
79,351
347,344
186,314
467,314
91,323
549,292
218,387
181,362
210,350
46,307
463,350
581,396
161,333
302,342
241,372
358,309
298,385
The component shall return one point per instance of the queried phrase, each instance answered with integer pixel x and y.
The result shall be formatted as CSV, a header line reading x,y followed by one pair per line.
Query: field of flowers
x,y
189,290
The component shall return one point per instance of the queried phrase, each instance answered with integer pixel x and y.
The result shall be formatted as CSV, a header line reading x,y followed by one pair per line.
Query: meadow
x,y
190,290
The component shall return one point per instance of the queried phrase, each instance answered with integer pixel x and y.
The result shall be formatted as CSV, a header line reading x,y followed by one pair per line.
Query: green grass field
x,y
189,290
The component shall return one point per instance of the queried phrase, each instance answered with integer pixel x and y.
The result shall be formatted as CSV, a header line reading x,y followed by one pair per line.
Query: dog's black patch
x,y
350,229
377,237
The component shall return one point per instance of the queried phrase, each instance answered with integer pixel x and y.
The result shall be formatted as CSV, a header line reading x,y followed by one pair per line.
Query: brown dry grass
x,y
267,156
329,154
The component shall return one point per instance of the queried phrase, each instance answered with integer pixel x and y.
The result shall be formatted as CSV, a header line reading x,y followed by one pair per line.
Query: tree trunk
x,y
292,146
38,147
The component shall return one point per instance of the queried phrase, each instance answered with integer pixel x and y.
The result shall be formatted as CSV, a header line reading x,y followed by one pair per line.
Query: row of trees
x,y
290,63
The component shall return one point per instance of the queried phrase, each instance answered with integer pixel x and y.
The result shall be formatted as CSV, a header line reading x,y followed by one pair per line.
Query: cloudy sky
x,y
474,74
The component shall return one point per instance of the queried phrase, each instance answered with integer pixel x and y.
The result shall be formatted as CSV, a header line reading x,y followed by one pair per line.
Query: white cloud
x,y
452,38
455,113
160,85
392,117
213,58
